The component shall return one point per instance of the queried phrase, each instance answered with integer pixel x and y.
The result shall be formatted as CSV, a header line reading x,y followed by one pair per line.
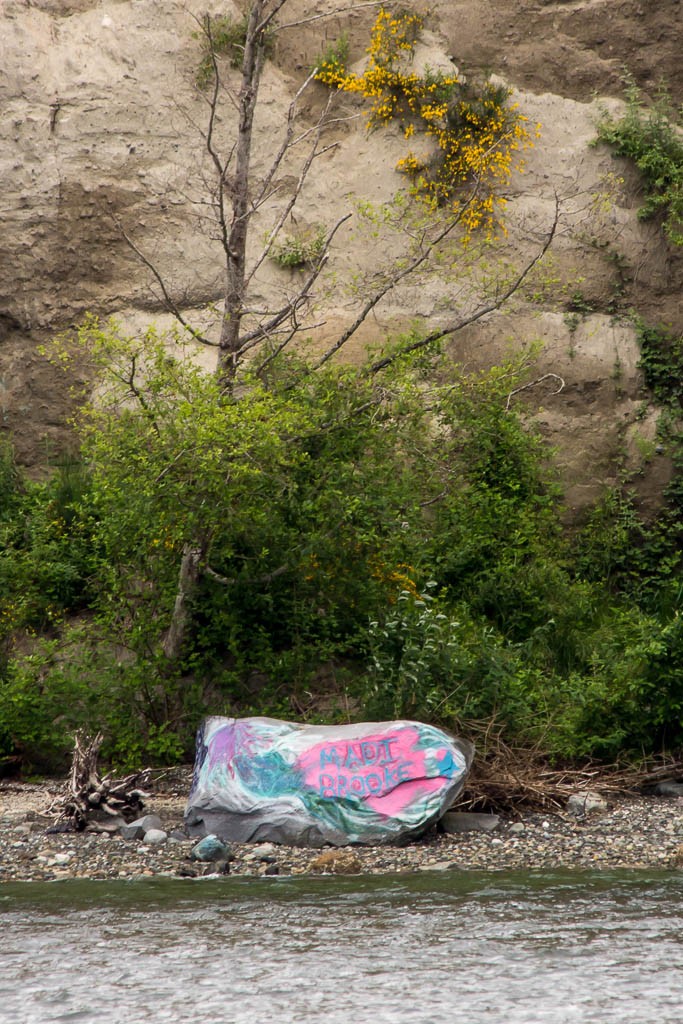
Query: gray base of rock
x,y
267,826
454,822
155,837
668,788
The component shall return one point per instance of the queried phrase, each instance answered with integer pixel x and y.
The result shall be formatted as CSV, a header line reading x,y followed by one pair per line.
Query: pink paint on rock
x,y
395,801
385,770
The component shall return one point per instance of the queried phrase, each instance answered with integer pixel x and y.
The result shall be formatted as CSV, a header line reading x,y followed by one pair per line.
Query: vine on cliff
x,y
651,138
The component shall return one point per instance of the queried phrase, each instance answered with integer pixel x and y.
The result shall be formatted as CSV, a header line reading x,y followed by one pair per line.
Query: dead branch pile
x,y
94,800
511,780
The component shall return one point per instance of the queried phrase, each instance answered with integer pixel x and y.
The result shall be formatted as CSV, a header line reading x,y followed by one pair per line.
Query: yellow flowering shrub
x,y
397,579
479,136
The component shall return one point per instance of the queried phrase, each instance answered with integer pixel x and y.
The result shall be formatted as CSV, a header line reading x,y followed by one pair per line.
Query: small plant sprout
x,y
299,251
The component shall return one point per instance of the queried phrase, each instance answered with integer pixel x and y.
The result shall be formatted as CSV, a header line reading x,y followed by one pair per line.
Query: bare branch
x,y
170,304
221,166
533,383
287,140
313,154
277,6
290,308
188,580
227,581
335,13
236,247
392,281
483,311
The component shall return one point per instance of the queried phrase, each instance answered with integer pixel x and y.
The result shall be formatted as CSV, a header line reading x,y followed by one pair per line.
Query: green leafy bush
x,y
629,698
426,662
661,360
322,502
296,251
82,681
335,57
651,138
47,556
475,132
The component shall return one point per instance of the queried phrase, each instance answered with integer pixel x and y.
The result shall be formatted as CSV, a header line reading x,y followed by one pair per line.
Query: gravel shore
x,y
632,832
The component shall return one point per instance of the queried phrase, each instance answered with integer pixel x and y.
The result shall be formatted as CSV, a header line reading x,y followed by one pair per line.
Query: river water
x,y
462,948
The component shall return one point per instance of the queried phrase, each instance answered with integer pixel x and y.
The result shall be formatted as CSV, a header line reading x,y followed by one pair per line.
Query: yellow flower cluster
x,y
393,578
393,35
477,133
8,615
394,92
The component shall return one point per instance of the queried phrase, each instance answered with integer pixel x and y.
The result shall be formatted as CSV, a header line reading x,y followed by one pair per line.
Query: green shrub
x,y
661,360
475,133
651,138
82,681
47,558
335,57
322,502
10,480
297,251
426,663
630,696
40,706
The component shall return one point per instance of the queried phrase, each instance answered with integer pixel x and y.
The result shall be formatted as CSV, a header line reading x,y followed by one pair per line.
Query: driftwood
x,y
511,780
94,801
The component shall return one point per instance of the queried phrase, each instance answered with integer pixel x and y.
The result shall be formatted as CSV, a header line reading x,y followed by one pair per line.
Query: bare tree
x,y
236,195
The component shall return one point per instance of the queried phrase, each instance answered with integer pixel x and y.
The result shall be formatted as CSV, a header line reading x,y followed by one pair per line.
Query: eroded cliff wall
x,y
101,136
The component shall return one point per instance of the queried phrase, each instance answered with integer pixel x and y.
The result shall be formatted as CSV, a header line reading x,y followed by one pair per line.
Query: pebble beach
x,y
636,832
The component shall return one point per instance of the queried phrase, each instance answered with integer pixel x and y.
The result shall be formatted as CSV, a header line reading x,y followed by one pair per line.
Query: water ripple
x,y
471,948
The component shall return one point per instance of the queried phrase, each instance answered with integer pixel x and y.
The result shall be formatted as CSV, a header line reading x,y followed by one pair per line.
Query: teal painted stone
x,y
210,849
263,780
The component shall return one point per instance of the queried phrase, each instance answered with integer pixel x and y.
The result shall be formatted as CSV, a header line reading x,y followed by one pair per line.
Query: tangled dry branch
x,y
513,779
94,801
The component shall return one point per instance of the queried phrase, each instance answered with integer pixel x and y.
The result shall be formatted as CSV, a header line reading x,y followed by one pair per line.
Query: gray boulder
x,y
668,788
466,821
584,803
155,837
262,780
139,828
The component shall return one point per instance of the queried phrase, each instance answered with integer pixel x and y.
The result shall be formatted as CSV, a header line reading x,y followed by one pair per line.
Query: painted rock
x,y
210,848
259,779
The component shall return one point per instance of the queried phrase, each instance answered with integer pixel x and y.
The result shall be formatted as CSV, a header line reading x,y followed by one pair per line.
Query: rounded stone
x,y
209,849
580,804
155,837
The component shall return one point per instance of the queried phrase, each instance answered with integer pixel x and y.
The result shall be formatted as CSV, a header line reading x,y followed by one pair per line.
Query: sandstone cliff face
x,y
99,136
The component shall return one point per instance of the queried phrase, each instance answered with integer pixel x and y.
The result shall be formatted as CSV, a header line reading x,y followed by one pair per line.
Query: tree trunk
x,y
236,255
181,619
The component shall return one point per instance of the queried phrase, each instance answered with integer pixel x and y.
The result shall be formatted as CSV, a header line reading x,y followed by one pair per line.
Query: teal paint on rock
x,y
208,849
258,779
